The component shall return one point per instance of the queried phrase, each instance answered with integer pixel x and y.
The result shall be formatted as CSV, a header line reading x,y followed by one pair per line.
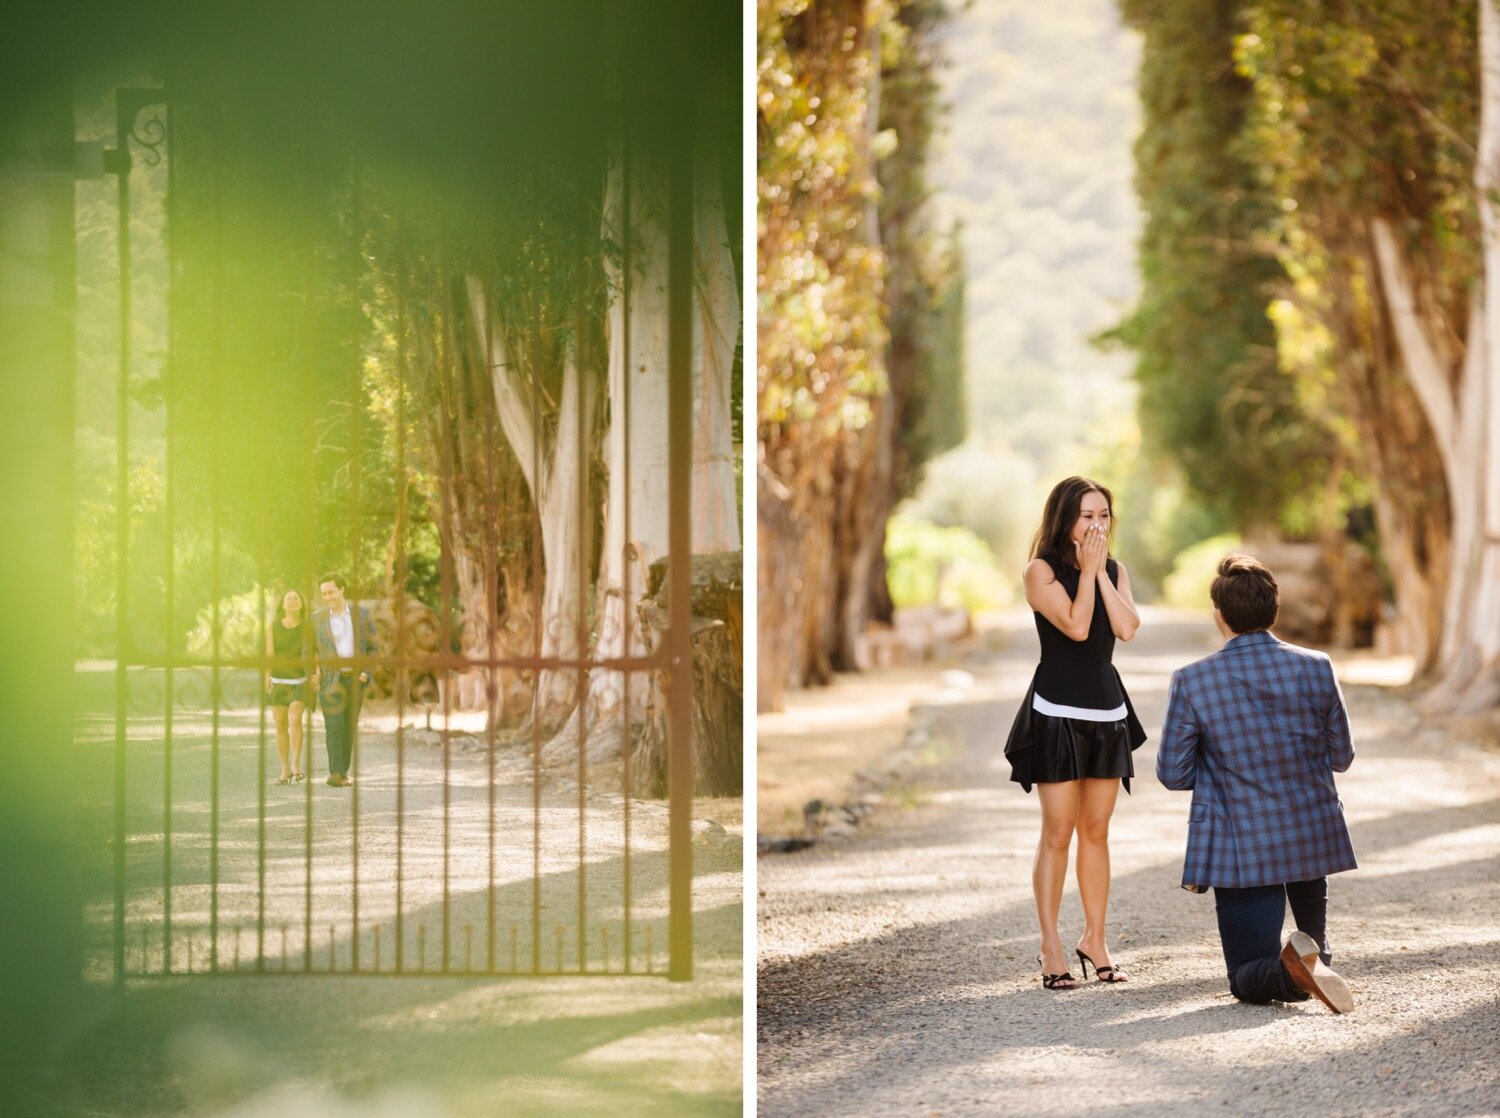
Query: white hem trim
x,y
1058,710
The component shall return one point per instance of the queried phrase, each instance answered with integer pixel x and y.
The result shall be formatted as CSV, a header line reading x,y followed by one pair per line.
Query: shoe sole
x,y
1308,971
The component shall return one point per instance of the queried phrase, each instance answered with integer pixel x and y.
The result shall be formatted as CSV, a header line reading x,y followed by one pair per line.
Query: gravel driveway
x,y
897,971
376,1046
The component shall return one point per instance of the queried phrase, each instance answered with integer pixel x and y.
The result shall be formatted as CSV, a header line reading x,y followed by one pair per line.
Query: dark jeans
x,y
339,700
1250,930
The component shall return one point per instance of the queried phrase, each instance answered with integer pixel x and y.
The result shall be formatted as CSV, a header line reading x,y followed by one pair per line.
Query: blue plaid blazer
x,y
1257,731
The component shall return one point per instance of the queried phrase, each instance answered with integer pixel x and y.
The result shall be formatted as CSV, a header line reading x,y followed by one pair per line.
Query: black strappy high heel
x,y
1114,975
1050,981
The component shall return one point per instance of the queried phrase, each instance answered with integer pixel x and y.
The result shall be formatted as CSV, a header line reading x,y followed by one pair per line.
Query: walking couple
x,y
1256,731
339,632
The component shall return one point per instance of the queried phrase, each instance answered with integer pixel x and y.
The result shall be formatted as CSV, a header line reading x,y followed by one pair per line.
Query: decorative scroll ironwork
x,y
150,134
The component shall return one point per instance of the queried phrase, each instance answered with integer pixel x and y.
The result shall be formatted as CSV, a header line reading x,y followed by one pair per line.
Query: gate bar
x,y
679,557
128,103
216,493
170,531
627,211
125,110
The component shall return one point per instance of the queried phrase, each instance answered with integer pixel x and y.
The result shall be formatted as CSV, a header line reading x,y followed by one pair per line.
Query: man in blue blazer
x,y
344,632
1257,731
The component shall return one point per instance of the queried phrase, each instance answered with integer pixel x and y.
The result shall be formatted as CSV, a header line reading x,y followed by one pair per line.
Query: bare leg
x,y
1096,806
278,714
1059,817
294,727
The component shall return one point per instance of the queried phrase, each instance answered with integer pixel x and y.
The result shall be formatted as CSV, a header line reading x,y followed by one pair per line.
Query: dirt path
x,y
897,967
470,837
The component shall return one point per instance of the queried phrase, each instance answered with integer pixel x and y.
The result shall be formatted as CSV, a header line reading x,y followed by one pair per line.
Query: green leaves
x,y
1212,160
822,333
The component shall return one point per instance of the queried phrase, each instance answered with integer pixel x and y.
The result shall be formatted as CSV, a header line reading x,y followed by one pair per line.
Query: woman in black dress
x,y
289,641
1076,729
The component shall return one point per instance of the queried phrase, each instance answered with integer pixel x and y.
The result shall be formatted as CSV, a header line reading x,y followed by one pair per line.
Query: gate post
x,y
679,556
41,936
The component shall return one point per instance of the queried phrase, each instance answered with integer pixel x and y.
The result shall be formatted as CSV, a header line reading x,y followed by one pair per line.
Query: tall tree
x,y
822,333
1459,389
553,447
851,281
923,293
1213,395
1369,123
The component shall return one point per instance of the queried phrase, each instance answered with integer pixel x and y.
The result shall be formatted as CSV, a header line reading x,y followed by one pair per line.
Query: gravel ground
x,y
897,972
377,1046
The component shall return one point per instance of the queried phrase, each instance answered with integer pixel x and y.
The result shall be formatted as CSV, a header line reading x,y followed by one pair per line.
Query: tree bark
x,y
635,447
779,564
867,490
716,325
558,490
1396,442
1457,396
635,524
718,674
1465,408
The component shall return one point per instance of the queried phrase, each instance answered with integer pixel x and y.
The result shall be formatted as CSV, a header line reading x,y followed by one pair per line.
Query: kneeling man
x,y
1257,731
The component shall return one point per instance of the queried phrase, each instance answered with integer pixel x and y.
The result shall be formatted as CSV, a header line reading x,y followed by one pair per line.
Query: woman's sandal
x,y
1054,981
284,779
298,778
1100,973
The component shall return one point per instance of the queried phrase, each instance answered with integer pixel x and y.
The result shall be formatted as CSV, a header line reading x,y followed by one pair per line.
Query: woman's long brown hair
x,y
1052,540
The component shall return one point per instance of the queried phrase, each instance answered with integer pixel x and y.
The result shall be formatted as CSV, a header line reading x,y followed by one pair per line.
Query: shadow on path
x,y
898,966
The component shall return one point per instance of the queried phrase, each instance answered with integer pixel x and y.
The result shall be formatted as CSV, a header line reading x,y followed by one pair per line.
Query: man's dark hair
x,y
335,578
1245,594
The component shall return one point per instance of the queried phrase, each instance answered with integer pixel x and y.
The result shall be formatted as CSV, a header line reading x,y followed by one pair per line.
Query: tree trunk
x,y
716,325
1464,410
495,622
864,506
635,519
635,523
811,665
718,674
1395,442
1457,405
558,490
637,443
564,493
779,562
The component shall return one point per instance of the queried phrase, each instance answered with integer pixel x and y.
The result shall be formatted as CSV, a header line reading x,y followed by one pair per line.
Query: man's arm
x,y
320,648
367,645
367,633
1177,755
1336,726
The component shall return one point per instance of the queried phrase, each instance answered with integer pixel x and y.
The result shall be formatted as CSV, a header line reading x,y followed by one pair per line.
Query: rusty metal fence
x,y
455,850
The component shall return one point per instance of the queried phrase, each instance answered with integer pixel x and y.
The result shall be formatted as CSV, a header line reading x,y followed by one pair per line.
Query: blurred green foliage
x,y
861,376
1194,571
241,620
821,329
1214,396
299,140
943,566
1369,110
1276,134
1156,514
924,281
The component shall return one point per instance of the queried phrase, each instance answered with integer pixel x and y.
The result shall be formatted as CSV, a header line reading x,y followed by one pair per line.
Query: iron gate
x,y
450,853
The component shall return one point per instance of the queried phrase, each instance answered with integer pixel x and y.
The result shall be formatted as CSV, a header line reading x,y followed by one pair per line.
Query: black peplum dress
x,y
1076,720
